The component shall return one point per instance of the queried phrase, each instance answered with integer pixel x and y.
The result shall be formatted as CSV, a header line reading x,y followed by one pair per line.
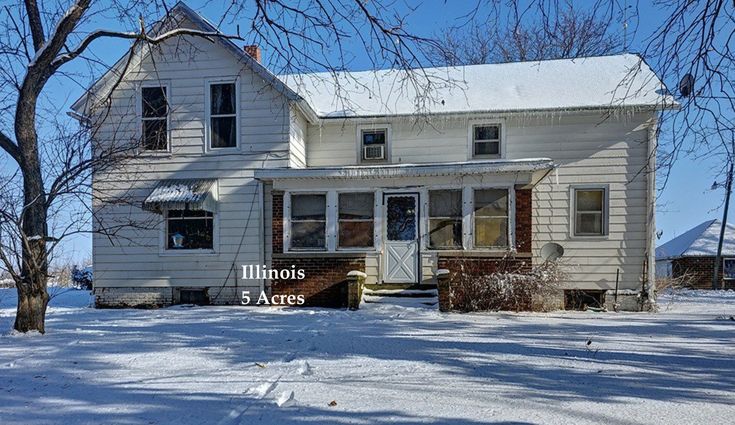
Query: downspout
x,y
650,282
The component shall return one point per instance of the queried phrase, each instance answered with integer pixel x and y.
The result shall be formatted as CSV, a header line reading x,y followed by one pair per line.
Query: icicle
x,y
556,175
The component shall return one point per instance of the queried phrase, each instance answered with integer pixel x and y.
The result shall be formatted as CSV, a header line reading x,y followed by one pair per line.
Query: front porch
x,y
398,224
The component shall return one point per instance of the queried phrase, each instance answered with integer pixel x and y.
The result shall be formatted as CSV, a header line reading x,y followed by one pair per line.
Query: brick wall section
x,y
132,297
325,282
700,271
277,222
524,208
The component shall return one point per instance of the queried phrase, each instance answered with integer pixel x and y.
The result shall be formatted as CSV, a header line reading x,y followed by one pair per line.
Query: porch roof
x,y
465,168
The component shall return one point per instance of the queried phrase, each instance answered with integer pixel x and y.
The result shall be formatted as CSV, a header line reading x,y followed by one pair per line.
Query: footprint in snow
x,y
285,399
263,389
288,358
305,368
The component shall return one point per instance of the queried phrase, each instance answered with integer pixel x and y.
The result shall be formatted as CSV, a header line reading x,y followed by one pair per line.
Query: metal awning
x,y
465,168
193,194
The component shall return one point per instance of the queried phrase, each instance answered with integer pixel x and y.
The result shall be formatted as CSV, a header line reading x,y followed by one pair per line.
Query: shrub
x,y
510,287
82,278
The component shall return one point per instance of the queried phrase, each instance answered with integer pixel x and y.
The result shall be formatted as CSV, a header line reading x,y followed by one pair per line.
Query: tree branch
x,y
34,21
136,36
9,147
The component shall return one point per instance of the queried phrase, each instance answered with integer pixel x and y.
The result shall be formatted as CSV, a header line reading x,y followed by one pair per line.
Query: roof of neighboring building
x,y
591,83
601,82
700,241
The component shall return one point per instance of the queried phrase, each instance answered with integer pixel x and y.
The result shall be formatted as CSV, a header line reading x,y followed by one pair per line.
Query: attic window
x,y
154,108
486,140
222,115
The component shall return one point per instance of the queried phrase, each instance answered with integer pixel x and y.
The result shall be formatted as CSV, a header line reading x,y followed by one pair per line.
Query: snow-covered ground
x,y
382,364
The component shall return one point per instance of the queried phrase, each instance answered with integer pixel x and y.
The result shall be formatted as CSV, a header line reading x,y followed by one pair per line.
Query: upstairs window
x,y
589,211
445,219
373,145
486,140
188,229
356,226
491,218
154,108
308,221
222,115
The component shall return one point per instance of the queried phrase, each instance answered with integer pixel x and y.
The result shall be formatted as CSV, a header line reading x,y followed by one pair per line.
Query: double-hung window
x,y
491,218
223,115
445,219
308,221
189,229
373,144
486,140
356,224
590,205
154,116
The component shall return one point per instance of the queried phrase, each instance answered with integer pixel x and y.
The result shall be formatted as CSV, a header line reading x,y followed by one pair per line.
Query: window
x,y
187,229
308,221
154,115
222,115
356,211
373,144
728,268
445,219
589,212
486,140
491,218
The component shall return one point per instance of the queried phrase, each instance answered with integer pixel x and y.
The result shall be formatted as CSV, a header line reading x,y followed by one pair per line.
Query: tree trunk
x,y
32,294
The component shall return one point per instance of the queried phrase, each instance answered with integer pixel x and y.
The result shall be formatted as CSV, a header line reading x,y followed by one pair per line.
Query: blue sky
x,y
685,202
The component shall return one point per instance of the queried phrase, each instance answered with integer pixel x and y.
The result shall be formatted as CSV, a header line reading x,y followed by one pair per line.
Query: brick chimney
x,y
253,50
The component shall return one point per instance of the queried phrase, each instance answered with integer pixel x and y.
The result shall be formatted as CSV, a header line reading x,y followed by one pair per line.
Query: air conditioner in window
x,y
373,152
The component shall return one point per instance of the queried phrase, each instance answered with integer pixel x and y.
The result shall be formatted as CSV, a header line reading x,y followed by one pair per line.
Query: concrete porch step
x,y
406,293
401,286
401,301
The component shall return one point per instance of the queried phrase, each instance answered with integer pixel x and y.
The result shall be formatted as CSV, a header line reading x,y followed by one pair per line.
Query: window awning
x,y
526,165
194,194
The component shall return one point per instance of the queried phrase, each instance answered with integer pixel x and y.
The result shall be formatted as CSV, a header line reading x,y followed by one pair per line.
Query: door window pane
x,y
401,218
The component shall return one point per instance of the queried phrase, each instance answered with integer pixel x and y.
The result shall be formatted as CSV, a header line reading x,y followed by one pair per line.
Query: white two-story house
x,y
235,166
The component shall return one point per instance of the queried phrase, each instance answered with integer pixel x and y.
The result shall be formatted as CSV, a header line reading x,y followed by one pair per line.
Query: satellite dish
x,y
552,251
686,85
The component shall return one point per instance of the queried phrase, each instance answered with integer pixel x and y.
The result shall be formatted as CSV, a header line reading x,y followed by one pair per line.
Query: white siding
x,y
589,149
133,257
298,139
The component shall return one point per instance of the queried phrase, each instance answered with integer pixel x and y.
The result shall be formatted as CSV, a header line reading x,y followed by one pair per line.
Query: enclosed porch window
x,y
491,218
445,219
308,221
356,220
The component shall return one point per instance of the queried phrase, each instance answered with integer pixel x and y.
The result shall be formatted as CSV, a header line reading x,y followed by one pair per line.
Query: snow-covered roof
x,y
700,241
526,165
623,80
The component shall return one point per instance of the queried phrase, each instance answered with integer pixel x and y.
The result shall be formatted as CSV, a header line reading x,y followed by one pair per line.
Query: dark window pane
x,y
491,232
589,223
373,137
154,102
354,206
222,99
590,200
487,148
445,203
155,135
445,233
355,234
728,269
196,229
487,132
308,234
308,207
224,132
401,220
491,202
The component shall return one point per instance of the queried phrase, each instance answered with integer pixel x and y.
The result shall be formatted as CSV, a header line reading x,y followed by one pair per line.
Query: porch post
x,y
355,281
444,289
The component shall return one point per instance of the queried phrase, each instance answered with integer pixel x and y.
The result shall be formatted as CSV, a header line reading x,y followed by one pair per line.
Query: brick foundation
x,y
162,297
325,282
699,271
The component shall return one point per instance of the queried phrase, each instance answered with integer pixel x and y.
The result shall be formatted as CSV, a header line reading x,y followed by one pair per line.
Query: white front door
x,y
401,238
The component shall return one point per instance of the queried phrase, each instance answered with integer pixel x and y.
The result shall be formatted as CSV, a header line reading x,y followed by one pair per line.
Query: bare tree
x,y
45,194
525,31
